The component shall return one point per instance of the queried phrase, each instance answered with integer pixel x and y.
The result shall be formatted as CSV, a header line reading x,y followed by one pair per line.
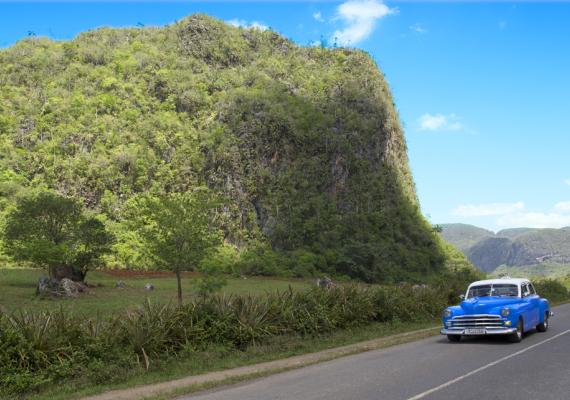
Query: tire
x,y
454,338
518,335
543,326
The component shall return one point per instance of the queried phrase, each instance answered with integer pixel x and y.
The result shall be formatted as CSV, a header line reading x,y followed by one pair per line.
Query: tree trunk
x,y
179,282
65,271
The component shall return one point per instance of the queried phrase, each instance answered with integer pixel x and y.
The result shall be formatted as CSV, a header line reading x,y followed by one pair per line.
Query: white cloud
x,y
318,16
512,215
238,23
440,122
484,210
567,181
535,220
563,206
359,17
241,23
559,218
418,29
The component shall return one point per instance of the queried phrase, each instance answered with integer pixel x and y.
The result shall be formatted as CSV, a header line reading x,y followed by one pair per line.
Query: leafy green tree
x,y
53,232
437,228
178,229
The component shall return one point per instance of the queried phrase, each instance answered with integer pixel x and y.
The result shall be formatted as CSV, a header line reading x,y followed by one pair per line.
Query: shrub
x,y
552,289
43,348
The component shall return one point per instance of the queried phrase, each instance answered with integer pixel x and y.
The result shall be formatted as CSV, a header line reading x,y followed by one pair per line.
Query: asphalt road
x,y
476,368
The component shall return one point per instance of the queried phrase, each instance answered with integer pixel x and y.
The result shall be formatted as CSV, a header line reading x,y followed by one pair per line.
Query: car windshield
x,y
501,289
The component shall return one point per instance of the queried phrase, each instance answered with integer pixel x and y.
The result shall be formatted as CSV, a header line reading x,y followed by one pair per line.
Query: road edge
x,y
194,383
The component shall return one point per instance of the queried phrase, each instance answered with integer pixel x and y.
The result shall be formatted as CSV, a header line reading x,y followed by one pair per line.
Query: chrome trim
x,y
491,323
475,321
490,331
467,316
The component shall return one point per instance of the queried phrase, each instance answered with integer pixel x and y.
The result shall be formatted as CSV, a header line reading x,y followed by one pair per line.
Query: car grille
x,y
476,321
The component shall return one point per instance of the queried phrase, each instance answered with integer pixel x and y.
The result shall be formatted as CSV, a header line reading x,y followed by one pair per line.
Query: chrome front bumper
x,y
492,331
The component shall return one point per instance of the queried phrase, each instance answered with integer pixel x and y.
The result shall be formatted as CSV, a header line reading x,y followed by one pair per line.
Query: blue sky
x,y
482,88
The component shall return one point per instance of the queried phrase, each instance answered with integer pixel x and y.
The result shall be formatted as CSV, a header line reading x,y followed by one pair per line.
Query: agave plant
x,y
42,347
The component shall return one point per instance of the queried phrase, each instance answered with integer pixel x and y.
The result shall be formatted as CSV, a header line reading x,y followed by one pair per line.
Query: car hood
x,y
487,305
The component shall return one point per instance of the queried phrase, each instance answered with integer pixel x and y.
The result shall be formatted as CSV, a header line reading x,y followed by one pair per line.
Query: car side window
x,y
531,288
524,290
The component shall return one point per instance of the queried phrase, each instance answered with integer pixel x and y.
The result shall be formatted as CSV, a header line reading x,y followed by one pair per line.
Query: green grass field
x,y
17,291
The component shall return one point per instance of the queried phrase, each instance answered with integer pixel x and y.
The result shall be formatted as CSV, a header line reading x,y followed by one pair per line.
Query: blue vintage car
x,y
497,307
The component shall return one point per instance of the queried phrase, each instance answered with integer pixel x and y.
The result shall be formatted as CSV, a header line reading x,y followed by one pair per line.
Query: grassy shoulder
x,y
218,359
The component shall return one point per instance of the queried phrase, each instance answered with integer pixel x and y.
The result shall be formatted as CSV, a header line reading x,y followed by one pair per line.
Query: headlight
x,y
505,312
447,313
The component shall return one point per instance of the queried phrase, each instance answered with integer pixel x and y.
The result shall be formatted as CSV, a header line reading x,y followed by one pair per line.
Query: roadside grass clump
x,y
41,349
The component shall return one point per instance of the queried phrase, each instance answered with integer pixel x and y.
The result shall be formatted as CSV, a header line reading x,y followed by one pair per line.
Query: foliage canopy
x,y
176,229
51,231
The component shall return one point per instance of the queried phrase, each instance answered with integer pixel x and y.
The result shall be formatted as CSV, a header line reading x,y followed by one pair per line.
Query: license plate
x,y
471,331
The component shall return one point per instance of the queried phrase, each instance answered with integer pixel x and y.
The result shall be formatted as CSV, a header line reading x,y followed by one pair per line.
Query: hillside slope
x,y
512,247
514,232
304,143
490,252
463,235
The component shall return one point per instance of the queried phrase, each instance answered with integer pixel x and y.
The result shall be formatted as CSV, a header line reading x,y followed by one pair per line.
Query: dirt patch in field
x,y
126,273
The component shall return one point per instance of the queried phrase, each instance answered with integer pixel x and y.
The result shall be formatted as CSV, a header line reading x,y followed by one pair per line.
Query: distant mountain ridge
x,y
515,247
464,236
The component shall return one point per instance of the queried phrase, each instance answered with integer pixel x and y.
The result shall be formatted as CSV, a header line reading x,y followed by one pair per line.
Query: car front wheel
x,y
518,335
543,326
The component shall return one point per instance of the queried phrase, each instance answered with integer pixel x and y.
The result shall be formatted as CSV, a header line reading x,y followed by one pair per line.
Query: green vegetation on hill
x,y
303,143
544,251
464,236
490,252
550,270
551,245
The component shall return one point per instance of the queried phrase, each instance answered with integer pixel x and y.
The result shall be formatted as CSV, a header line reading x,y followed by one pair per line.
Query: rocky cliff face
x,y
489,253
305,143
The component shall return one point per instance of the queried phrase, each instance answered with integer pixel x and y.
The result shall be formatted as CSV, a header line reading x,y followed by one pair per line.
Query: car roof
x,y
512,281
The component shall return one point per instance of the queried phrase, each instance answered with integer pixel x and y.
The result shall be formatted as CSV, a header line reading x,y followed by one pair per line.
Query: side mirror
x,y
462,296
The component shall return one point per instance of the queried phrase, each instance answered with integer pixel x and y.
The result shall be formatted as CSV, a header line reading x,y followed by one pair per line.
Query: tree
x,y
177,229
53,232
437,228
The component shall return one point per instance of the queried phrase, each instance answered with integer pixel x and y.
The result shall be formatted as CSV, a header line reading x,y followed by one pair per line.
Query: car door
x,y
535,304
530,307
